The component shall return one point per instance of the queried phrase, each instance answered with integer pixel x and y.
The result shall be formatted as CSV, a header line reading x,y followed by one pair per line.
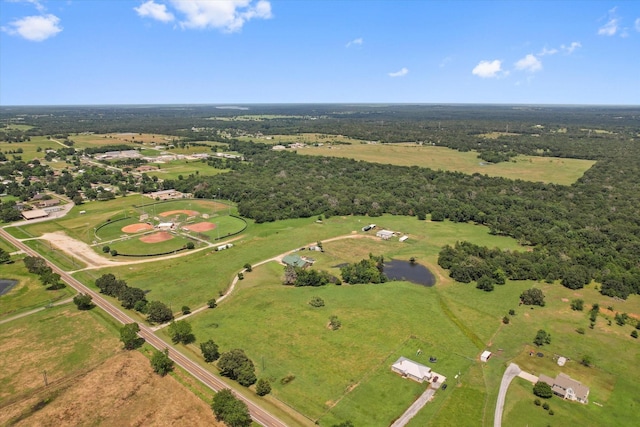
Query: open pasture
x,y
34,149
176,168
305,138
527,168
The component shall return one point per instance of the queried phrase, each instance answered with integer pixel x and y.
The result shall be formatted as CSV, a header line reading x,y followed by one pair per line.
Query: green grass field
x,y
528,168
28,293
176,168
342,374
30,148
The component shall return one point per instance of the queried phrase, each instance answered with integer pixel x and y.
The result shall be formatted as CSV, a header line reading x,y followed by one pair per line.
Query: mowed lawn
x,y
528,168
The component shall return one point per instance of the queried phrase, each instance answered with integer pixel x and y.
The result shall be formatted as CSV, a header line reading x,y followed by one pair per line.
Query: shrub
x,y
505,320
545,406
551,412
212,303
512,312
240,276
580,331
634,333
113,252
537,402
542,389
106,249
248,267
334,323
577,305
316,302
190,245
186,309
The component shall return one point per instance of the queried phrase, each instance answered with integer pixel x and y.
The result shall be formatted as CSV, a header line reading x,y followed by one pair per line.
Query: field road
x,y
512,371
258,414
35,310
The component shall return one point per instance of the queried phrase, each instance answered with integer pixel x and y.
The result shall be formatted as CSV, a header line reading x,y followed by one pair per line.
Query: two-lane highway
x,y
207,378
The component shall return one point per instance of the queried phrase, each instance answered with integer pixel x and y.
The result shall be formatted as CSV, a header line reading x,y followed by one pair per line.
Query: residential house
x,y
297,261
412,370
567,388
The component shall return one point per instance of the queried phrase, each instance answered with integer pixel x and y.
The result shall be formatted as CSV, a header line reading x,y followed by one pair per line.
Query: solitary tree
x,y
577,304
129,336
248,267
212,303
230,409
180,332
263,387
209,351
542,338
161,363
533,296
83,301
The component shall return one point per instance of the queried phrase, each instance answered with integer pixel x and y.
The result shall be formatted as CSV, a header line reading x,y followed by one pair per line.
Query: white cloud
x,y
612,25
155,11
38,5
400,73
637,24
355,42
34,28
529,63
227,15
573,46
545,52
487,69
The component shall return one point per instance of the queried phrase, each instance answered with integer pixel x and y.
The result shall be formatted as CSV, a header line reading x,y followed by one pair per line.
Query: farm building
x,y
567,388
485,356
412,370
385,234
297,261
35,213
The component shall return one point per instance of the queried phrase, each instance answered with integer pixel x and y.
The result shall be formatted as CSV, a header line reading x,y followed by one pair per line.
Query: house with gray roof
x,y
567,388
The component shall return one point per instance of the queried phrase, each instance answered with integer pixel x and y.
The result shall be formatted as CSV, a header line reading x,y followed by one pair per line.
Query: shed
x,y
562,360
385,234
35,213
485,356
403,238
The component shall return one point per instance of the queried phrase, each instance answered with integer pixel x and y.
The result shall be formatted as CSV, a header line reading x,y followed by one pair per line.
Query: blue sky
x,y
287,51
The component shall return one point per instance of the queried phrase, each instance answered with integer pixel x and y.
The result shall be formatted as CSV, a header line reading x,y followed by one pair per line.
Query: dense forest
x,y
589,230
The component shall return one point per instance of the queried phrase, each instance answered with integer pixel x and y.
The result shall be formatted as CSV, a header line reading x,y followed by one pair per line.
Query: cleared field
x,y
60,340
527,168
176,168
97,140
306,138
30,148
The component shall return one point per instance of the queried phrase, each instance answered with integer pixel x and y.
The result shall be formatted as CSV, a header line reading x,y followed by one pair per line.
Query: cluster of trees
x,y
231,410
298,276
48,278
5,256
542,338
236,365
369,270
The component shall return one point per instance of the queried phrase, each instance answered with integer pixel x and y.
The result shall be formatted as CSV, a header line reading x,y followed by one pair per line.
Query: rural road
x,y
258,414
512,371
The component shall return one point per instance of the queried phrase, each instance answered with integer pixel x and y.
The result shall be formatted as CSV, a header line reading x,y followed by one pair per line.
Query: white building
x,y
485,356
385,234
412,370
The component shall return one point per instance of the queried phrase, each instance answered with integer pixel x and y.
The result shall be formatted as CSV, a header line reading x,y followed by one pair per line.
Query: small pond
x,y
6,285
405,270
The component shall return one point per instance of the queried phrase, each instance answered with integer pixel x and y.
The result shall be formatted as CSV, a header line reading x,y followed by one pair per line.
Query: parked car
x,y
435,379
444,387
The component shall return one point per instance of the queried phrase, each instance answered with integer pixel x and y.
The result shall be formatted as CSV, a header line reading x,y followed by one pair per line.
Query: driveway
x,y
512,371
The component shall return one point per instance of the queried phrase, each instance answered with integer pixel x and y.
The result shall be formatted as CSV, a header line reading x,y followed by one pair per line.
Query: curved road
x,y
258,414
512,371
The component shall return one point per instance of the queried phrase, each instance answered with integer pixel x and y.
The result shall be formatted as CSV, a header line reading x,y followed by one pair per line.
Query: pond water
x,y
405,270
6,285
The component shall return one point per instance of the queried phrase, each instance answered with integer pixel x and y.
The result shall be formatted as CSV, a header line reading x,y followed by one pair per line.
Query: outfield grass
x,y
528,168
28,293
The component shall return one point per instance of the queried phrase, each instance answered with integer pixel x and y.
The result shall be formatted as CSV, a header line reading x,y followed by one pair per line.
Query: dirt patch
x,y
136,228
565,299
123,391
200,227
161,236
181,211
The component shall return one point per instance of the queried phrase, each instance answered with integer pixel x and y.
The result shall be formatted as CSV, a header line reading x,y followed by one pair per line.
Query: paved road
x,y
414,408
512,371
258,414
